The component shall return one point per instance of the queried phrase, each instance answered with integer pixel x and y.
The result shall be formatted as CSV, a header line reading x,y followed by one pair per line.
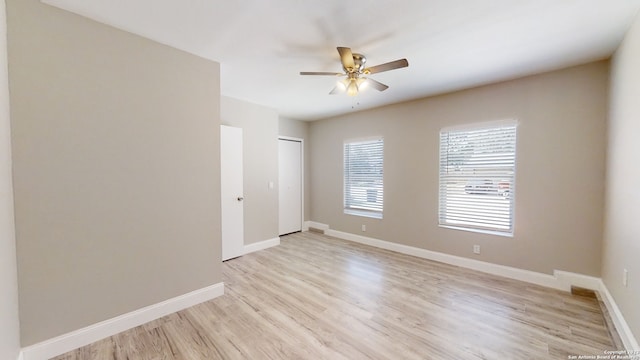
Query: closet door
x,y
290,190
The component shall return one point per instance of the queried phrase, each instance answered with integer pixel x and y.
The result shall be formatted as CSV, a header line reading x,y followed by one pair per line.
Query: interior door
x,y
290,188
232,199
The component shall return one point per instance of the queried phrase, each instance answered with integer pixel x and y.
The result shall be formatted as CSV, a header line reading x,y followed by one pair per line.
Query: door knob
x,y
240,198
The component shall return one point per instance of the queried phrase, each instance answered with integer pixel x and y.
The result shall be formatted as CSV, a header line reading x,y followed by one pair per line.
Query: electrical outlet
x,y
625,277
476,249
364,227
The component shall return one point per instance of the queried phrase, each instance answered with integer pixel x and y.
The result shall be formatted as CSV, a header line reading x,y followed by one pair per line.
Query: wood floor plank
x,y
317,297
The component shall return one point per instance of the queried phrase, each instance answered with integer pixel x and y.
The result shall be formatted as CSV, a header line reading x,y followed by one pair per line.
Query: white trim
x,y
363,139
261,245
372,214
315,225
475,230
569,279
92,333
290,138
21,355
482,125
629,341
495,269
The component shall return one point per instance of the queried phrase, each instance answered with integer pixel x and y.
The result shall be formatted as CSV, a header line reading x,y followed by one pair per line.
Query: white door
x,y
290,190
231,192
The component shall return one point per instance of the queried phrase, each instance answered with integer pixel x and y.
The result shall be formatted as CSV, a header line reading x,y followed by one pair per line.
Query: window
x,y
477,177
363,190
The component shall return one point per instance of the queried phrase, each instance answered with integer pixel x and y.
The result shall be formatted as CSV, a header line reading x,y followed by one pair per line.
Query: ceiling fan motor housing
x,y
359,60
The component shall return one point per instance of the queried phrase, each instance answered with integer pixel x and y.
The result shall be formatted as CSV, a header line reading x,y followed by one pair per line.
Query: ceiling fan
x,y
354,72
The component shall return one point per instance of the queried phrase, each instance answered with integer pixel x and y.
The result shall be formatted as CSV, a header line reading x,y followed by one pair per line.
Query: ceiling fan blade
x,y
376,85
386,66
346,56
320,73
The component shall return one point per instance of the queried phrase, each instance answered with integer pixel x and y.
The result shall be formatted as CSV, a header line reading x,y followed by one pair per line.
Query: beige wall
x,y
9,324
300,129
260,151
116,170
559,181
622,230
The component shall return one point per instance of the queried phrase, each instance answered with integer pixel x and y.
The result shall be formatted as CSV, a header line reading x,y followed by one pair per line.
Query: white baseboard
x,y
261,245
562,280
75,339
568,279
315,225
629,341
495,269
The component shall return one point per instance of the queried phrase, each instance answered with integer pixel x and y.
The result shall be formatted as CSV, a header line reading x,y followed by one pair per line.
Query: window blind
x,y
477,178
363,177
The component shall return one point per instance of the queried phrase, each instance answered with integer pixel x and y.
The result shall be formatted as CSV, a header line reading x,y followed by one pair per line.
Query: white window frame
x,y
477,172
357,194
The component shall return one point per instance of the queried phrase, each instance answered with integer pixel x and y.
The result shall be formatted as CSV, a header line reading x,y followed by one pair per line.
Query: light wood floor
x,y
316,297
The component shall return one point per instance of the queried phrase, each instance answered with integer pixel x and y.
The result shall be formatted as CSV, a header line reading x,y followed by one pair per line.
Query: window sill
x,y
364,213
481,231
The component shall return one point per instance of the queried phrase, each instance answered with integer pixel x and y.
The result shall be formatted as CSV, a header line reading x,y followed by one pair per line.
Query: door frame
x,y
301,141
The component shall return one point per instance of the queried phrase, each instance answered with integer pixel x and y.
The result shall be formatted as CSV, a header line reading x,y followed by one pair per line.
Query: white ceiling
x,y
450,44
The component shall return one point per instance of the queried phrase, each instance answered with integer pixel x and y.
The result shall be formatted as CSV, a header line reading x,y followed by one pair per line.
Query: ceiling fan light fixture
x,y
353,65
352,89
362,84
